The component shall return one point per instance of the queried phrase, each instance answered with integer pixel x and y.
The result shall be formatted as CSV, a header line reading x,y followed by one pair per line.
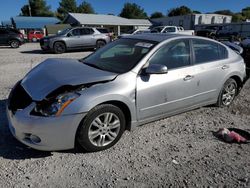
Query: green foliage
x,y
86,8
183,10
196,12
237,17
37,8
156,15
224,12
66,6
133,11
246,13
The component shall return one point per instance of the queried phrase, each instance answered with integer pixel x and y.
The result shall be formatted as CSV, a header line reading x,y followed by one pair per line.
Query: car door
x,y
211,66
73,40
169,93
86,37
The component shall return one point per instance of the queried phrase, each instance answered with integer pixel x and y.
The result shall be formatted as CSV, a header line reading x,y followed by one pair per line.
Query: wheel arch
x,y
125,109
238,81
101,40
59,41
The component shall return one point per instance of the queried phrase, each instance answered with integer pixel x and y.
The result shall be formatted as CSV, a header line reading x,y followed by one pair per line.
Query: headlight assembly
x,y
58,105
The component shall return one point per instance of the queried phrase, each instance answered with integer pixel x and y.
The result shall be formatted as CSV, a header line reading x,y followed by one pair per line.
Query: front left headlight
x,y
57,107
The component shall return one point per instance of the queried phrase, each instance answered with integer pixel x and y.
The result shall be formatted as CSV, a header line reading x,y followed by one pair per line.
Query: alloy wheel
x,y
104,129
228,94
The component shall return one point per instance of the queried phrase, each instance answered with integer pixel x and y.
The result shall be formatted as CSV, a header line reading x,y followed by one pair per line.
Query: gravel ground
x,y
179,151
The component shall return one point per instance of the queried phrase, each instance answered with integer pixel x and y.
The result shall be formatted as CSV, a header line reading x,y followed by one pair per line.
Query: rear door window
x,y
208,51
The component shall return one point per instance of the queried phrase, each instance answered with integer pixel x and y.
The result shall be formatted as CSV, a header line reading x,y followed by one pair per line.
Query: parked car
x,y
208,31
135,32
35,35
172,29
76,38
246,53
92,101
11,37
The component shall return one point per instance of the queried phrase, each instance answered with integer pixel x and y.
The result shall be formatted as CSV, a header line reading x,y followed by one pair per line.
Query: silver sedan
x,y
129,82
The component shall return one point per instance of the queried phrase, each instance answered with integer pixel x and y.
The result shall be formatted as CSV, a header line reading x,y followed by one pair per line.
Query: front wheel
x,y
228,93
102,128
14,44
59,47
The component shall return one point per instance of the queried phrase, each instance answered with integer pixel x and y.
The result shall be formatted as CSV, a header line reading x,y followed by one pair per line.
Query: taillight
x,y
20,35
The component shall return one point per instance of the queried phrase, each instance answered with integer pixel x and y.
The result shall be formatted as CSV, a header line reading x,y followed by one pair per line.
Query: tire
x,y
106,124
100,43
34,39
14,44
228,93
59,47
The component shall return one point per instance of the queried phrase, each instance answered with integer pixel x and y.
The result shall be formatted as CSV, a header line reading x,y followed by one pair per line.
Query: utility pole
x,y
29,8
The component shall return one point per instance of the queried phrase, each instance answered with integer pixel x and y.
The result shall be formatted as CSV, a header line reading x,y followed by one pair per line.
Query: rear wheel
x,y
14,44
102,128
59,47
100,44
228,93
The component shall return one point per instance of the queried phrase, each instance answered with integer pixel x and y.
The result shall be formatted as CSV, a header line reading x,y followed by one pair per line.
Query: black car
x,y
208,31
11,37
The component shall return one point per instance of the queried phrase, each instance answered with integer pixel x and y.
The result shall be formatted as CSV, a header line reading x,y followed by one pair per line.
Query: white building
x,y
191,20
114,23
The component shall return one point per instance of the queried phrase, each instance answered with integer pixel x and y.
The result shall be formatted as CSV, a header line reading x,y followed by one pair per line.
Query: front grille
x,y
19,98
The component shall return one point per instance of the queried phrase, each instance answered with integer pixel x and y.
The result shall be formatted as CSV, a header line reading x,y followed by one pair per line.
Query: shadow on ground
x,y
33,52
10,148
51,52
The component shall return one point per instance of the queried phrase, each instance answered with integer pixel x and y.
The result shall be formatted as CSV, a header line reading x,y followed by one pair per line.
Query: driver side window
x,y
173,55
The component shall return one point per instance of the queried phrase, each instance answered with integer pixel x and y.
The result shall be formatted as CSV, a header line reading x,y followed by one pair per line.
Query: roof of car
x,y
157,37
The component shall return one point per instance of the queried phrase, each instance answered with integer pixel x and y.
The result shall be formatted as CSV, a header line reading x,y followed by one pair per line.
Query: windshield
x,y
156,29
64,32
119,56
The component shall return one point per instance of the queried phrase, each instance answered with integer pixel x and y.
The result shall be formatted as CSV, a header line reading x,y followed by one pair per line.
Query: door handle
x,y
225,67
188,77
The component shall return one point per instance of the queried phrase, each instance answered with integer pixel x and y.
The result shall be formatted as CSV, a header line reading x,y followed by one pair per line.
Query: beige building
x,y
191,20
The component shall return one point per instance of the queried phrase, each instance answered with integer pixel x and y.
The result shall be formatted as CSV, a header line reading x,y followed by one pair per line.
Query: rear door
x,y
211,66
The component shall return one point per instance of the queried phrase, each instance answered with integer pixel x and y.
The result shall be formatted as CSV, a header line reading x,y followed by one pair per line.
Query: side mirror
x,y
156,69
69,35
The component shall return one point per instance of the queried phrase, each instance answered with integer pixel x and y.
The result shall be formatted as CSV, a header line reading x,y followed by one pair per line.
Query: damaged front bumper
x,y
44,133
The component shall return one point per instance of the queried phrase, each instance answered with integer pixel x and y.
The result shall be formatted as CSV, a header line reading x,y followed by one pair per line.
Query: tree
x,y
237,17
66,6
86,8
224,12
36,8
133,11
156,15
196,12
183,10
246,13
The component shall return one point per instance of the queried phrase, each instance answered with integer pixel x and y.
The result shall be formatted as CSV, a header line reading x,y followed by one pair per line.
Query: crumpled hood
x,y
54,73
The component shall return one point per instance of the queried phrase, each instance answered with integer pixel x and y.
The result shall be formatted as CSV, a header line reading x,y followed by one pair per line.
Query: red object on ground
x,y
236,137
230,136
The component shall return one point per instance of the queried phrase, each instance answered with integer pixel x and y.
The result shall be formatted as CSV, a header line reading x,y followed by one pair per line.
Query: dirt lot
x,y
175,152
